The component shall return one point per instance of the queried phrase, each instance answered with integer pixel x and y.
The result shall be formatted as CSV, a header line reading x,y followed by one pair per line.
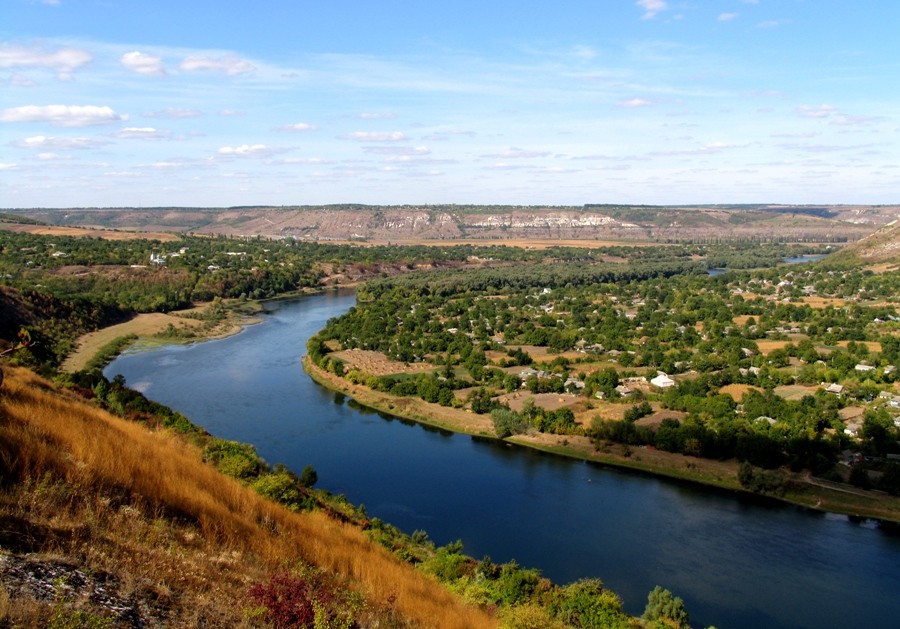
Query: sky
x,y
287,102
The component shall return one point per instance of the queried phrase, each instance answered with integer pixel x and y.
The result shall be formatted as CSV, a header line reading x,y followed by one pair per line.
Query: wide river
x,y
737,562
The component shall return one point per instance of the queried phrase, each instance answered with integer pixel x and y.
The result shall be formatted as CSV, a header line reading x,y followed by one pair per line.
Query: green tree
x,y
663,605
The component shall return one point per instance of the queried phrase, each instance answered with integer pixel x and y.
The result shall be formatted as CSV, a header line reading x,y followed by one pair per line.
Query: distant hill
x,y
880,247
355,222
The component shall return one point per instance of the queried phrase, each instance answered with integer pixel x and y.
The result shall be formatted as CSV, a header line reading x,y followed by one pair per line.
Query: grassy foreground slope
x,y
135,530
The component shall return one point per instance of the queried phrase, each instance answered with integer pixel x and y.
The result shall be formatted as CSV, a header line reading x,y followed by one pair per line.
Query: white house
x,y
662,381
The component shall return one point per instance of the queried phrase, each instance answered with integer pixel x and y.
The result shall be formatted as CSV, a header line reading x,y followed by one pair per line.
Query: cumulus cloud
x,y
635,102
376,136
62,115
52,142
63,61
143,64
228,64
813,111
651,7
141,133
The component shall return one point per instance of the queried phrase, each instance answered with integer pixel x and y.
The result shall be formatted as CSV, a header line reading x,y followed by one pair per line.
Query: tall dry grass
x,y
43,430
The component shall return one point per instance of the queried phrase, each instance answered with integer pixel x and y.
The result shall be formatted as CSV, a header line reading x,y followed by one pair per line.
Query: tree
x,y
662,605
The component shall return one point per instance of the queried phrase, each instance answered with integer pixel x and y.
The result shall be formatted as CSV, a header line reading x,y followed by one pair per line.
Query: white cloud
x,y
143,64
299,126
228,64
249,150
51,142
517,153
769,24
141,133
368,115
62,115
820,111
727,17
51,157
230,113
635,102
376,136
854,120
7,166
63,61
404,151
651,8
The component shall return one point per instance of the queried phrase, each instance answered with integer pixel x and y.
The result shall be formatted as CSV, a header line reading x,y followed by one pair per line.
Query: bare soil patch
x,y
767,346
377,364
738,391
874,346
794,392
654,421
548,401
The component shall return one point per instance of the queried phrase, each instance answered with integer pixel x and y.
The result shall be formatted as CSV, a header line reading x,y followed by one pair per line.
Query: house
x,y
864,368
834,388
623,390
662,381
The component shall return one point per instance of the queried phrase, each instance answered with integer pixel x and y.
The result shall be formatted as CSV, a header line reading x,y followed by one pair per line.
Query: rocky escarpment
x,y
395,223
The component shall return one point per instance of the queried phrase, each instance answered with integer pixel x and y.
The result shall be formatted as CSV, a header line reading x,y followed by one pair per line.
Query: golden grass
x,y
738,391
43,430
87,232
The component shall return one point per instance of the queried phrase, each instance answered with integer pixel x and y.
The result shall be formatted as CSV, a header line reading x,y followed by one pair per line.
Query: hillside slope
x,y
881,247
106,521
355,222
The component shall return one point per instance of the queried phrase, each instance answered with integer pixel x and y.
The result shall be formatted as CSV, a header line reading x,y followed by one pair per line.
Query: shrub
x,y
587,604
294,601
663,606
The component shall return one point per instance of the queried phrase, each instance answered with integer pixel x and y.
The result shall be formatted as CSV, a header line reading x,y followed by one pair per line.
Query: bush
x,y
663,606
300,601
587,604
508,422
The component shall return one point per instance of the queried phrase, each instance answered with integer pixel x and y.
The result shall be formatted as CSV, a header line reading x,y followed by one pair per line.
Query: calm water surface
x,y
737,562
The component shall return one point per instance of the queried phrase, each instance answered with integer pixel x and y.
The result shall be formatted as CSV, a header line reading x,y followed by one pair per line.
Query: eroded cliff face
x,y
423,224
351,222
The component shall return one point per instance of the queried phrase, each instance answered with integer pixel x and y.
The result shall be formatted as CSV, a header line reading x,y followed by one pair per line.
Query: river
x,y
737,562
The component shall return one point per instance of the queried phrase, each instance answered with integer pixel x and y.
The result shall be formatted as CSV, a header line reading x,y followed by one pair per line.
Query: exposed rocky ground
x,y
450,222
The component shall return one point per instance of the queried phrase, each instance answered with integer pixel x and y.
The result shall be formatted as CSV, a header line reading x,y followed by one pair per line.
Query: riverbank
x,y
803,490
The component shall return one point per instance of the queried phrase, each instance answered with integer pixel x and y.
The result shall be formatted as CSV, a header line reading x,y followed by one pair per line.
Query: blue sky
x,y
198,103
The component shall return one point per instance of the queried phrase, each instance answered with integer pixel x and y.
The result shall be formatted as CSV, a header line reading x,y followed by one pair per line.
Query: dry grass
x,y
738,391
377,364
84,232
768,346
44,431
